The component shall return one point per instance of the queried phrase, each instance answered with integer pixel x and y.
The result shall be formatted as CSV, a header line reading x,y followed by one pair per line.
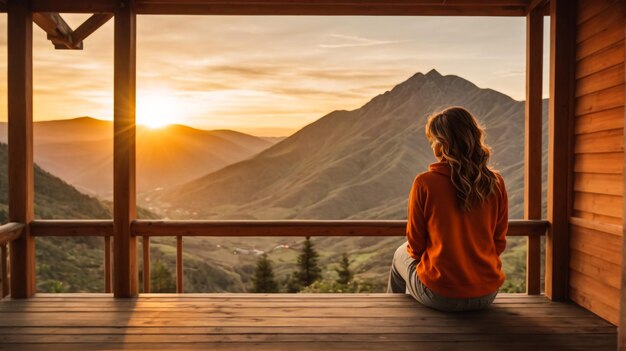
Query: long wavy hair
x,y
456,135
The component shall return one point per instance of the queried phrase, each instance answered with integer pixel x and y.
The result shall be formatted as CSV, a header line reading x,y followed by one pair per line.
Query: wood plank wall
x,y
596,225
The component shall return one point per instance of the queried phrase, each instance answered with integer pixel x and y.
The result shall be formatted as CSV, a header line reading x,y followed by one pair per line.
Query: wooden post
x,y
532,143
20,134
562,84
179,264
126,278
145,242
4,259
107,264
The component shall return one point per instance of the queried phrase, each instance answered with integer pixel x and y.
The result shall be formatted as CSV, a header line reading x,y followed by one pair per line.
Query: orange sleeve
x,y
416,232
502,225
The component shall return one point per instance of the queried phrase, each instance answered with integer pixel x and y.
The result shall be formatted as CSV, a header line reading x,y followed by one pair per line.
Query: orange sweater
x,y
459,251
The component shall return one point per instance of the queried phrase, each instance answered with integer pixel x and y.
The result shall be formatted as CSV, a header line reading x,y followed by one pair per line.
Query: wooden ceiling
x,y
296,7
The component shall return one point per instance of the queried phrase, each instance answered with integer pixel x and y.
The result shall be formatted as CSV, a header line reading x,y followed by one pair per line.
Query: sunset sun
x,y
156,109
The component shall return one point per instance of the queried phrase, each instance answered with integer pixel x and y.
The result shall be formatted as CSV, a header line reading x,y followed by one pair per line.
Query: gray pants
x,y
403,279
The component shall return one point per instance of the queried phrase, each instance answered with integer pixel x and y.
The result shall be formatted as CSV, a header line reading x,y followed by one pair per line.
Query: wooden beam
x,y
125,270
313,9
560,170
297,7
62,35
532,143
59,32
538,5
345,2
331,3
90,25
104,228
301,228
73,6
97,228
20,135
10,232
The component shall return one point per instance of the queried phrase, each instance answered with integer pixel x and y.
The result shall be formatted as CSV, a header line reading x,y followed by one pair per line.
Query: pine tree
x,y
264,276
308,271
345,275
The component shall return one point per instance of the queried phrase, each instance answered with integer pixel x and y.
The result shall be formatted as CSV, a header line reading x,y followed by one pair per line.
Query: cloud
x,y
510,73
356,41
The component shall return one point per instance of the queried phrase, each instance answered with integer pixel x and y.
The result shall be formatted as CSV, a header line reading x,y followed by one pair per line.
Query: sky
x,y
268,76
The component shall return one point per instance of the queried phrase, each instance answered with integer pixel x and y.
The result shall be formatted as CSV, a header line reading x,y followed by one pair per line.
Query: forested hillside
x,y
66,264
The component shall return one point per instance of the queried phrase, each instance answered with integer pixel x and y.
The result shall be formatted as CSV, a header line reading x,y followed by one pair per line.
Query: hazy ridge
x,y
80,151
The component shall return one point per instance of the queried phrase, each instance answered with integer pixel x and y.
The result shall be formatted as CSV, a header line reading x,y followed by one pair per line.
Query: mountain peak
x,y
433,73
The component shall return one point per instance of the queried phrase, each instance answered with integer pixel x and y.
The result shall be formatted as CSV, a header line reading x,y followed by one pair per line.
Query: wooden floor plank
x,y
281,311
325,329
385,312
244,296
528,339
114,321
293,322
169,305
325,346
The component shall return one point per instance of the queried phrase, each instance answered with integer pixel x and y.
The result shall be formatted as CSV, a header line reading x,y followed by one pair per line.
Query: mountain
x,y
355,164
80,151
274,140
75,264
352,165
349,164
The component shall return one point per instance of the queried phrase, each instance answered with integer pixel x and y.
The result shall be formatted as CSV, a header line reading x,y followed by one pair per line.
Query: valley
x,y
355,164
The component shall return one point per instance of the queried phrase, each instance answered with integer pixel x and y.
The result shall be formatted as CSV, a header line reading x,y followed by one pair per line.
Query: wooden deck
x,y
293,322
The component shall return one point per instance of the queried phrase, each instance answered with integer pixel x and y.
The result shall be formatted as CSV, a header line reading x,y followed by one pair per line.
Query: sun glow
x,y
157,108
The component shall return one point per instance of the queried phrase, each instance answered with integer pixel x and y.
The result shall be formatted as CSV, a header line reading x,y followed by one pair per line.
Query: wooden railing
x,y
532,229
74,228
8,233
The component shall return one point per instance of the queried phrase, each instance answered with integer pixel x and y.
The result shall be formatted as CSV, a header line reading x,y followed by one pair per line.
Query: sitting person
x,y
457,221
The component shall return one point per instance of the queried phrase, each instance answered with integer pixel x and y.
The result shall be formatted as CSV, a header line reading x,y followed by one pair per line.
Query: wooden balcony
x,y
580,96
293,322
122,233
283,321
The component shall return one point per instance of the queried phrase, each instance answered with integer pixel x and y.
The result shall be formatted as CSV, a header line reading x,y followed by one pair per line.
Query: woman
x,y
457,221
